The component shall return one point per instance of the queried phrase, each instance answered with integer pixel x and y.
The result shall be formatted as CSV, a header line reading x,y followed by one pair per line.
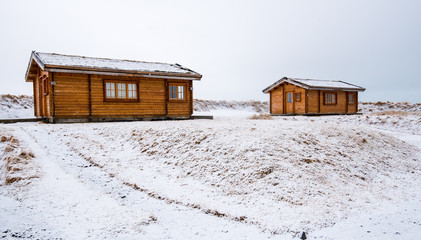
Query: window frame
x,y
176,84
298,97
325,98
117,99
290,98
351,95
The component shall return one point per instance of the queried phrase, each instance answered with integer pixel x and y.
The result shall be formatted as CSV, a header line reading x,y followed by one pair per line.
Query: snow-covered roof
x,y
54,61
313,84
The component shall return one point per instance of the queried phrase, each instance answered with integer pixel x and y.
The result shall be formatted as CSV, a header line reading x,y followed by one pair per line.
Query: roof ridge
x,y
102,58
322,80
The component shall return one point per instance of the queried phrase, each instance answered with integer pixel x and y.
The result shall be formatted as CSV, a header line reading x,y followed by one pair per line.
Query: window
x,y
351,98
330,98
131,90
110,90
298,97
121,90
289,97
177,91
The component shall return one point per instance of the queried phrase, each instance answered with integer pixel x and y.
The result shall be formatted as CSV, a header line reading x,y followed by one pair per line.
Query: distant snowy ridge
x,y
251,105
21,106
389,106
263,106
16,106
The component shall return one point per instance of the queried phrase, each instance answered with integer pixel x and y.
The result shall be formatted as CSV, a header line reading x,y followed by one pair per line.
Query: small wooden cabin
x,y
78,89
312,97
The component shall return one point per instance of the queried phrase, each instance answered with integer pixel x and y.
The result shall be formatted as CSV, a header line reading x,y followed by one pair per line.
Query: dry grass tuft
x,y
261,116
392,113
18,165
380,103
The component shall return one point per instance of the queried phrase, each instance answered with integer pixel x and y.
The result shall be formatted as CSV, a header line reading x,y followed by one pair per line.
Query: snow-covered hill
x,y
229,178
12,106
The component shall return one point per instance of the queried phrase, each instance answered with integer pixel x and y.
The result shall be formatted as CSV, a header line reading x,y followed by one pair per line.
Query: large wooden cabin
x,y
292,96
79,89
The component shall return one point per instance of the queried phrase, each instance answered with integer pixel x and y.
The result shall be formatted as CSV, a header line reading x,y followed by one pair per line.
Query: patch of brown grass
x,y
380,103
18,162
392,113
261,117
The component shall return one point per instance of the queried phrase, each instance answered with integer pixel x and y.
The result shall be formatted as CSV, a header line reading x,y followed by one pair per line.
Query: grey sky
x,y
240,47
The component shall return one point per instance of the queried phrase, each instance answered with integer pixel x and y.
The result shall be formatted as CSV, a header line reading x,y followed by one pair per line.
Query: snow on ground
x,y
335,177
393,221
50,203
250,105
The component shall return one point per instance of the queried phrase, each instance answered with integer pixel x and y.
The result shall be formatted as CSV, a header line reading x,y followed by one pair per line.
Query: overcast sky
x,y
240,47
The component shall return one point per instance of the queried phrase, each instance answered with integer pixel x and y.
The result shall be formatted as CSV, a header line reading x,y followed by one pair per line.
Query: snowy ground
x,y
334,177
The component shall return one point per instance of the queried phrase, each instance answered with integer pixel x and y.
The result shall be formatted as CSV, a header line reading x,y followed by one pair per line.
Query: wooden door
x,y
289,96
179,98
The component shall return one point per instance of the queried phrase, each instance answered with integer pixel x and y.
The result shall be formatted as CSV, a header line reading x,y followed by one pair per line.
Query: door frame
x,y
286,102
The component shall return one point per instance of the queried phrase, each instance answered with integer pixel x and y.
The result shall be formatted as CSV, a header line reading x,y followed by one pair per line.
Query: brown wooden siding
x,y
339,107
181,107
81,95
313,101
296,107
276,98
151,98
37,97
71,95
353,107
42,95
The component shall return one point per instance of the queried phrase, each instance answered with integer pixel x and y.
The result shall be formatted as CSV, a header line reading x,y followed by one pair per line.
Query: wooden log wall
x,y
82,95
298,107
42,94
353,107
181,107
37,104
71,94
313,101
277,100
316,103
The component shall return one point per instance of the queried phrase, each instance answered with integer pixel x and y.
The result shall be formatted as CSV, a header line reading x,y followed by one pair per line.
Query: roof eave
x,y
274,85
37,59
338,89
53,68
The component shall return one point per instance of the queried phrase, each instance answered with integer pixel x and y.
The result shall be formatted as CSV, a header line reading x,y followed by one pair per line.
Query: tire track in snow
x,y
69,208
168,200
170,217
